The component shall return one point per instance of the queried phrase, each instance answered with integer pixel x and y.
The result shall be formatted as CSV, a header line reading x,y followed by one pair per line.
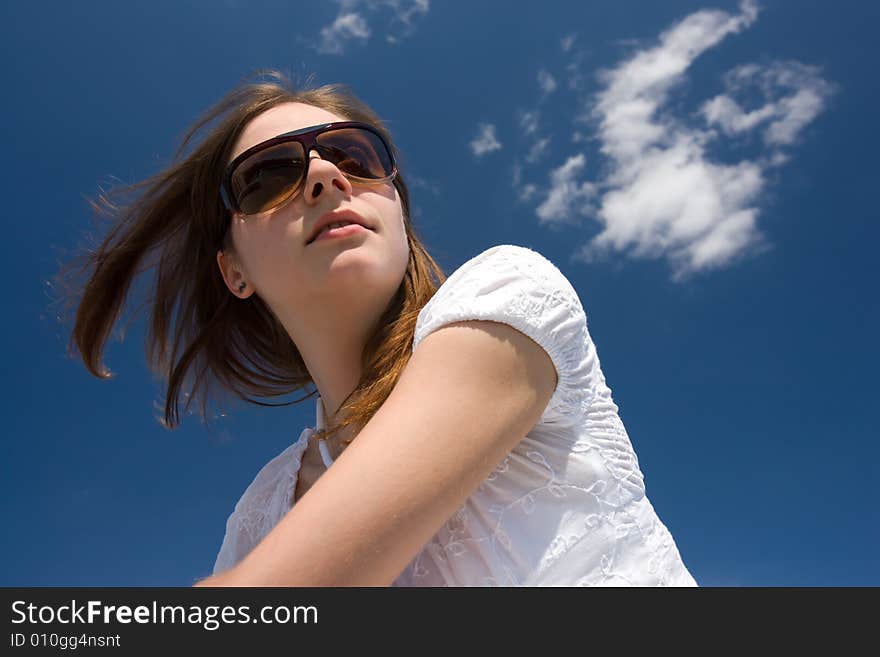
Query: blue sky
x,y
701,171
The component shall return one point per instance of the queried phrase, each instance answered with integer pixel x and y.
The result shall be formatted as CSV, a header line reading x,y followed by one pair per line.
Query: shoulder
x,y
522,288
506,260
505,279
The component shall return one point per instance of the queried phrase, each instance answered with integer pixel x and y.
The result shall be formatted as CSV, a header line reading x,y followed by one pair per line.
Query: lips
x,y
332,217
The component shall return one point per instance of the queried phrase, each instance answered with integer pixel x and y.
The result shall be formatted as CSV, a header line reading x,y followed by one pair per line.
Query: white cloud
x,y
528,121
786,116
566,197
345,28
406,15
538,149
676,204
546,82
350,25
567,42
525,192
485,141
661,195
528,191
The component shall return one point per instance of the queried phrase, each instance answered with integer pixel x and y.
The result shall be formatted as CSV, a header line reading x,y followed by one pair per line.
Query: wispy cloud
x,y
786,117
406,16
352,26
661,196
346,28
567,198
524,191
546,82
538,149
575,69
423,183
528,121
485,142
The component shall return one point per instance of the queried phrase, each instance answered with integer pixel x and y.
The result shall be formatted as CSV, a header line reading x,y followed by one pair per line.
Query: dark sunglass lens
x,y
266,179
357,152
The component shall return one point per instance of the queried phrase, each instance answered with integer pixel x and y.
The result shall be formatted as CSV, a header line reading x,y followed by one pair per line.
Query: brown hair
x,y
175,226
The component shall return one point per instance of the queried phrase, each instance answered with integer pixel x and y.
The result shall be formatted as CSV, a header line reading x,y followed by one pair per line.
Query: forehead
x,y
278,120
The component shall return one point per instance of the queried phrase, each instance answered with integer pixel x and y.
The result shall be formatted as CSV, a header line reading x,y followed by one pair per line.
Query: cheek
x,y
394,210
401,239
269,257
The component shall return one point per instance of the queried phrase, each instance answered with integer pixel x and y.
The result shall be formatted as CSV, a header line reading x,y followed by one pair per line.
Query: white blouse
x,y
566,507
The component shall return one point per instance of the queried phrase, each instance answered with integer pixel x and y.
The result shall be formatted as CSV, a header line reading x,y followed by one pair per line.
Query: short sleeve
x,y
517,286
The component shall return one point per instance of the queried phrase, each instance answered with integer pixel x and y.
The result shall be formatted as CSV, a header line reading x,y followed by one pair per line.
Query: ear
x,y
233,276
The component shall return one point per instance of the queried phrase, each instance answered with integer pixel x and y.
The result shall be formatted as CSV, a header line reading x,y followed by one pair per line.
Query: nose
x,y
323,175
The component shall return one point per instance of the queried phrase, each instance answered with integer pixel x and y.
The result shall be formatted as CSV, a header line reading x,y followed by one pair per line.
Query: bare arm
x,y
470,392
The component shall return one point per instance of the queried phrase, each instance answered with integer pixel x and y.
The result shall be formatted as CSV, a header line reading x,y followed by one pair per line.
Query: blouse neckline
x,y
319,424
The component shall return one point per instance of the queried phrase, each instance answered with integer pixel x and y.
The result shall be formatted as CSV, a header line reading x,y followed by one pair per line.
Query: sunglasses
x,y
270,173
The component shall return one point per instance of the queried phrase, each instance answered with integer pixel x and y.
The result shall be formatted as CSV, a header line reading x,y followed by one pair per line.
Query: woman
x,y
464,434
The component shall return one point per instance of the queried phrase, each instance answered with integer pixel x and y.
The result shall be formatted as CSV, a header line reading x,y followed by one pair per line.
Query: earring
x,y
242,286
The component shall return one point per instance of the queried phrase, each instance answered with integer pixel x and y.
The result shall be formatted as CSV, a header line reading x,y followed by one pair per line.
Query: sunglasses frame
x,y
308,138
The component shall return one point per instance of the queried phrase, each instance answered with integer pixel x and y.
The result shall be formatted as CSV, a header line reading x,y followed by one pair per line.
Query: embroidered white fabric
x,y
566,507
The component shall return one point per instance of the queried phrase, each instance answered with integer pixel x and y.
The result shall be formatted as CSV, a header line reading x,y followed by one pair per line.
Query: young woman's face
x,y
271,253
